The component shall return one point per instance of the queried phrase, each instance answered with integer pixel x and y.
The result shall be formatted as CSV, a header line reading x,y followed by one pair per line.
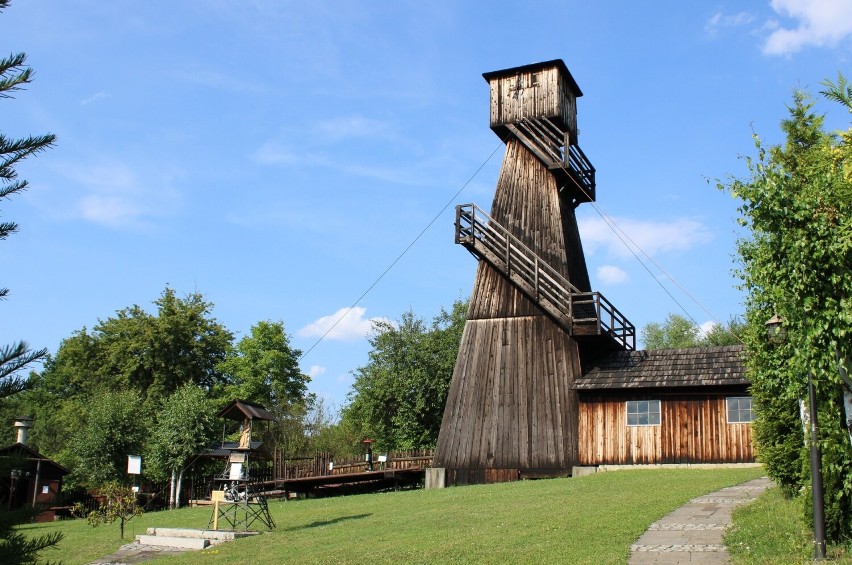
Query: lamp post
x,y
777,333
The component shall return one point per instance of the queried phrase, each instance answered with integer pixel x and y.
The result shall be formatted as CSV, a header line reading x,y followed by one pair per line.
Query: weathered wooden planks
x,y
693,429
510,404
511,409
543,90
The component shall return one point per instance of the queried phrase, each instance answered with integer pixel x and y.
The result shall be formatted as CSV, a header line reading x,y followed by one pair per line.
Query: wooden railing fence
x,y
324,463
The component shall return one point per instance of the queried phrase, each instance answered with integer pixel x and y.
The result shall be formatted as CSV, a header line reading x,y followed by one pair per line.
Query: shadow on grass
x,y
317,524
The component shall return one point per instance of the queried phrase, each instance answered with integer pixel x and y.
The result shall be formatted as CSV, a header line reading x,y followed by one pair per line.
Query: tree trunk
x,y
178,489
172,491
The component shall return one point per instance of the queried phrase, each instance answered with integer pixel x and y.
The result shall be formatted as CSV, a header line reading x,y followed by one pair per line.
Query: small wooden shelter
x,y
665,406
32,479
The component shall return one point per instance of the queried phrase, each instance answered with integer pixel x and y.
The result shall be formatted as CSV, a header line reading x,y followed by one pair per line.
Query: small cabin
x,y
538,91
537,105
669,406
32,480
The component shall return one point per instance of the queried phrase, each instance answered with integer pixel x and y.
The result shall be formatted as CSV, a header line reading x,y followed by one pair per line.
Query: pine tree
x,y
13,75
16,547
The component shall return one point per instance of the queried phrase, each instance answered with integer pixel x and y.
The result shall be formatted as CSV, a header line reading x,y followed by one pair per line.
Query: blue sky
x,y
278,156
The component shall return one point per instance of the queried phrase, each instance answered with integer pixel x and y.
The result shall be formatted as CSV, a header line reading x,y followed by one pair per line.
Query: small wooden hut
x,y
29,479
670,406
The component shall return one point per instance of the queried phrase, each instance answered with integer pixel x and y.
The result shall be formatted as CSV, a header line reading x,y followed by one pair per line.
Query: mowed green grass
x,y
772,530
590,519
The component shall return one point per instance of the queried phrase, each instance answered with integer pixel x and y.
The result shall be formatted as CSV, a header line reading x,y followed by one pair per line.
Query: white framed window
x,y
740,409
643,412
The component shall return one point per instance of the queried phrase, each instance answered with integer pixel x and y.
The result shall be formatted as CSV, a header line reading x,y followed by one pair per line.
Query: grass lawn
x,y
590,519
772,530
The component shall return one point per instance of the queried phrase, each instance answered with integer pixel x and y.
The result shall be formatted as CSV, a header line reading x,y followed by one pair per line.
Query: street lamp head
x,y
775,329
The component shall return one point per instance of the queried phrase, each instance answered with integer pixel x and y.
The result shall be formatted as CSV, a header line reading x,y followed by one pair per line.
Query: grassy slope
x,y
585,520
772,531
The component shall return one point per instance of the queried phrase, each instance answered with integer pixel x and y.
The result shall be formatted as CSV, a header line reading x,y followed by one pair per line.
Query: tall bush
x,y
795,262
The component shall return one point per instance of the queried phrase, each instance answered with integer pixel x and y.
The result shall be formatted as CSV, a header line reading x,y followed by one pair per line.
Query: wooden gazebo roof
x,y
243,409
696,366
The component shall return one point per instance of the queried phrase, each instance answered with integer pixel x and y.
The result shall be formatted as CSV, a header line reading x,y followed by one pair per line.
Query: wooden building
x,y
527,398
511,411
665,407
29,479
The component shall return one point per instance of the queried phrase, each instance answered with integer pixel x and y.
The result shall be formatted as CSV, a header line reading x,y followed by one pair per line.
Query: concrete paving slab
x,y
693,533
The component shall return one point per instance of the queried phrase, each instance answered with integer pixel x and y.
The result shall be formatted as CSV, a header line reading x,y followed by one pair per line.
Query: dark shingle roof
x,y
243,409
696,366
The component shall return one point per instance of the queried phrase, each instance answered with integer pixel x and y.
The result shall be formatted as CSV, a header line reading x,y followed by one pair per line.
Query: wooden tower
x,y
511,411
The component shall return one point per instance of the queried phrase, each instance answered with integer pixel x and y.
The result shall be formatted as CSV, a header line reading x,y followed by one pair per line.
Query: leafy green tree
x,y
15,547
150,354
183,427
115,428
156,354
263,368
119,504
721,334
795,262
398,397
678,332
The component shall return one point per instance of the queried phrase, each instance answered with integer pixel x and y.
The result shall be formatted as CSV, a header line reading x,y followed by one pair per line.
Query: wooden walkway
x,y
388,478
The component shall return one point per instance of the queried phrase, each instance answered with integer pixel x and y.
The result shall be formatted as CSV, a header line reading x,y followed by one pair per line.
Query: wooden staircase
x,y
578,313
551,144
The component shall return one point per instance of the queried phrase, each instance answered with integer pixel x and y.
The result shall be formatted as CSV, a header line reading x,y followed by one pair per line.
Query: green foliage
x,y
398,397
150,355
264,368
678,332
771,530
115,429
184,425
795,262
14,74
119,504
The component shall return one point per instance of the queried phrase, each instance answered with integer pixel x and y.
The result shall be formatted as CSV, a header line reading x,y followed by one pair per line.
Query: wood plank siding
x,y
544,90
693,429
511,410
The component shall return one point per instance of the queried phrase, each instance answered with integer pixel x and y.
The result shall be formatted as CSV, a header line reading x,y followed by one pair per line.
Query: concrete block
x,y
170,541
436,477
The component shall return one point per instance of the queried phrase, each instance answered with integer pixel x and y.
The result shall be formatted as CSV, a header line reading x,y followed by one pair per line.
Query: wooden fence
x,y
324,463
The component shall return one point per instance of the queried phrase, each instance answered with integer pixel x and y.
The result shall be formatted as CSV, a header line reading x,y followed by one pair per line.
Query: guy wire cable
x,y
404,251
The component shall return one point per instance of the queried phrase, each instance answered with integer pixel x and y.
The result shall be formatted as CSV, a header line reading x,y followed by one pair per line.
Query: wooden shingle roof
x,y
696,366
243,409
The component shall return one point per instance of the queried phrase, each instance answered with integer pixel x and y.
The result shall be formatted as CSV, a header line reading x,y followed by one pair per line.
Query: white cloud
x,y
348,127
347,324
315,371
94,97
114,195
706,328
720,20
219,81
652,237
610,274
819,23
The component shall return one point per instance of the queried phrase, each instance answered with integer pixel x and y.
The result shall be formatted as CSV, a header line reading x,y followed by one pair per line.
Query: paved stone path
x,y
693,532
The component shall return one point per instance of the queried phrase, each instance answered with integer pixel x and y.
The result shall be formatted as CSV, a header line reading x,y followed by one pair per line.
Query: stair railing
x,y
566,303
